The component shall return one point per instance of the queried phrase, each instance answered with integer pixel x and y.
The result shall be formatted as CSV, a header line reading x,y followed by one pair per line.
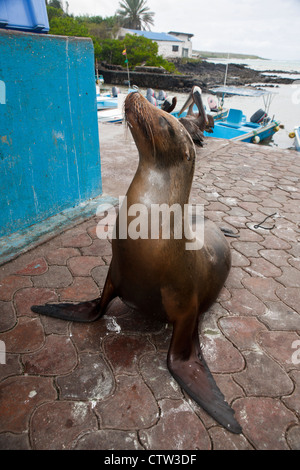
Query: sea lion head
x,y
159,136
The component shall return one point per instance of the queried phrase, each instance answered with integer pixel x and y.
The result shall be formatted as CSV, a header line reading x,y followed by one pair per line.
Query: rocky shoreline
x,y
213,74
205,74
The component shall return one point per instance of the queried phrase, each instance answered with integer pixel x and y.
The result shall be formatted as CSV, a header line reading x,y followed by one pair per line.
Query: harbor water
x,y
285,108
285,105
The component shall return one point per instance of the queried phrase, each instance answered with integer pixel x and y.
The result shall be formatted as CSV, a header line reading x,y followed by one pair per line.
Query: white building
x,y
170,45
187,47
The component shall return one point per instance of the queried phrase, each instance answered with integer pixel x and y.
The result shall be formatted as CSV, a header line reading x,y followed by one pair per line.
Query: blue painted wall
x,y
49,144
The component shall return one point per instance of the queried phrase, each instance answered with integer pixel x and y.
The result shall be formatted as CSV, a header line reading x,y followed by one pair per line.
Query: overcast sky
x,y
267,28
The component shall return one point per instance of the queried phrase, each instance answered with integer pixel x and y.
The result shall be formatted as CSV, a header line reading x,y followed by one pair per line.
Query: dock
x,y
106,386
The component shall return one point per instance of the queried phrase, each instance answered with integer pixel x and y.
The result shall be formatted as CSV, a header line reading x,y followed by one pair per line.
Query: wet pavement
x,y
106,385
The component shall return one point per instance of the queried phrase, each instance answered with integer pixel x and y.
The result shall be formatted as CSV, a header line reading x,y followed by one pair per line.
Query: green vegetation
x,y
103,31
67,26
139,50
224,55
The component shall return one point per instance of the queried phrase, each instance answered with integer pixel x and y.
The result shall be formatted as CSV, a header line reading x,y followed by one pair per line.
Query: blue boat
x,y
106,100
236,127
113,114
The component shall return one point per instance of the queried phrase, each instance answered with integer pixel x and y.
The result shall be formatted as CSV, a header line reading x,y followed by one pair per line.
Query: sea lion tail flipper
x,y
194,376
83,312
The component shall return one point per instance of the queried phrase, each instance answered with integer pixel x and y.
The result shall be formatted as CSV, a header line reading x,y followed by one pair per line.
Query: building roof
x,y
154,36
183,34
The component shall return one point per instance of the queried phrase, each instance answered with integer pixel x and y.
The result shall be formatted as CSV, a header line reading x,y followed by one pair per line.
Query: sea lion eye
x,y
187,153
163,121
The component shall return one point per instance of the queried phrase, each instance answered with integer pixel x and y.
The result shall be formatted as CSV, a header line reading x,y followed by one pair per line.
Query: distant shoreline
x,y
251,64
206,55
205,74
213,74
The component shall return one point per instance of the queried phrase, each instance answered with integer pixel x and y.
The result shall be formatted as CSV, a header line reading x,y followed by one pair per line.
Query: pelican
x,y
196,124
169,104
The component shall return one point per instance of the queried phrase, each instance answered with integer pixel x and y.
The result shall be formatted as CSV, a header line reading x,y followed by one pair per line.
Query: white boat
x,y
110,115
115,114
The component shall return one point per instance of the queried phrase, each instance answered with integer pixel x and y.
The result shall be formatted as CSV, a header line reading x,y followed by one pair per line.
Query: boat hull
x,y
110,115
106,102
247,132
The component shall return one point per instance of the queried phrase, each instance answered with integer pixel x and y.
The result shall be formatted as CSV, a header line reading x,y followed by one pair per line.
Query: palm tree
x,y
134,14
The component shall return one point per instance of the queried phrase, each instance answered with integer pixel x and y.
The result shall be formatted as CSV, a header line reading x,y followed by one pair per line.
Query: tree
x,y
66,26
100,28
134,14
139,50
54,13
55,4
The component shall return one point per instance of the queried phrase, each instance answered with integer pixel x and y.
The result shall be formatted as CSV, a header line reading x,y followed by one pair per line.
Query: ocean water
x,y
285,105
285,66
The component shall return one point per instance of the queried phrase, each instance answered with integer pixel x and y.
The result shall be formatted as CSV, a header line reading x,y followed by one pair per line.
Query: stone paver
x,y
105,385
57,424
178,428
91,380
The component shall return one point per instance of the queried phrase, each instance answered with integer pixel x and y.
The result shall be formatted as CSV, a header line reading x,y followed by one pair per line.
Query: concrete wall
x,y
49,144
165,48
182,83
186,46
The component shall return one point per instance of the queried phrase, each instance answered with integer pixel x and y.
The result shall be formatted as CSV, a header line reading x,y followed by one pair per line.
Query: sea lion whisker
x,y
152,139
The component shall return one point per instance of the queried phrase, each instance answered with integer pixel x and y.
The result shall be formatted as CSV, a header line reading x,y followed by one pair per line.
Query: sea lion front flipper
x,y
190,370
81,312
84,312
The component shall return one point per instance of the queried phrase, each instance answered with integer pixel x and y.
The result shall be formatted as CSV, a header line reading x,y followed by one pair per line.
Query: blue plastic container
x,y
24,15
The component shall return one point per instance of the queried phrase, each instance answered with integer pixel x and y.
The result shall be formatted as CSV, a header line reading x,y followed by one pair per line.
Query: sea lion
x,y
160,276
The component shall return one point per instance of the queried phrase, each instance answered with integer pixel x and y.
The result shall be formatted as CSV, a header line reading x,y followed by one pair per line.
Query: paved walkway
x,y
106,385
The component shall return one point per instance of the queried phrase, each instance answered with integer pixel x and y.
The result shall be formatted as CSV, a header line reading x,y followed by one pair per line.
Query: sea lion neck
x,y
161,185
160,138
